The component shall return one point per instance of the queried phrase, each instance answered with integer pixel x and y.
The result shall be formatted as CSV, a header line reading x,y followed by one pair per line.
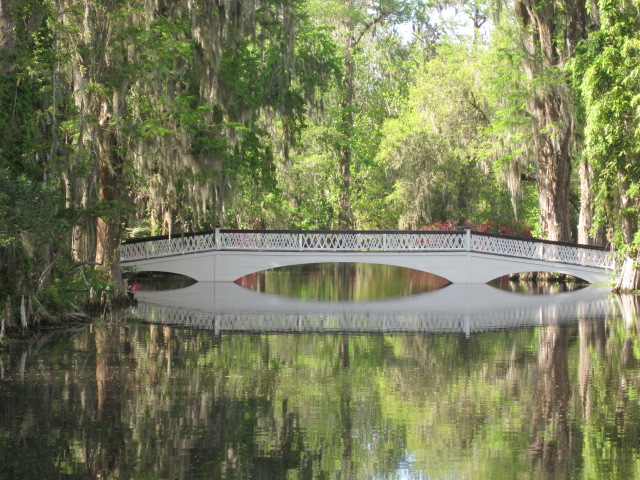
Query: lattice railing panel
x,y
370,241
259,241
167,246
542,251
426,241
340,241
580,256
505,246
133,251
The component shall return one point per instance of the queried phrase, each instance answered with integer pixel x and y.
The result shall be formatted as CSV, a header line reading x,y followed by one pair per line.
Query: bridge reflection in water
x,y
457,308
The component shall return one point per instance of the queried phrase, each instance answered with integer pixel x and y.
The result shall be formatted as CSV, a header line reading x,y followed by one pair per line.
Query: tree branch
x,y
367,25
471,98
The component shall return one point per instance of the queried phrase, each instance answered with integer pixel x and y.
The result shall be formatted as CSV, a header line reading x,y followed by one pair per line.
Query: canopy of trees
x,y
122,118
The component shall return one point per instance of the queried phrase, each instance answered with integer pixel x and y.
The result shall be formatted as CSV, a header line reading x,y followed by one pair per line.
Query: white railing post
x,y
384,242
216,238
541,251
300,242
467,239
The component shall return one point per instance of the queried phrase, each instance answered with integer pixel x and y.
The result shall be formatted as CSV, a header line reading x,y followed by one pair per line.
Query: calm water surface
x,y
366,390
339,282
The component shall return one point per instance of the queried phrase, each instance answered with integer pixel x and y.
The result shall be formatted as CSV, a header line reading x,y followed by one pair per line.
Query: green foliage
x,y
309,185
25,117
317,59
34,246
432,153
28,208
371,70
605,73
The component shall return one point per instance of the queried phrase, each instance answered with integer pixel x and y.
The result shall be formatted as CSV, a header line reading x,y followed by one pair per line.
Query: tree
x,y
180,118
605,73
358,25
550,32
109,48
433,172
33,222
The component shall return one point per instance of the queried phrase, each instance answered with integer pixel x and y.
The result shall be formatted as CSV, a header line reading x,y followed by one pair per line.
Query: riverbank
x,y
21,317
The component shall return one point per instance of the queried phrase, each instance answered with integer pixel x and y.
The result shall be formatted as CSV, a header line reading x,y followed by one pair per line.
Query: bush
x,y
512,229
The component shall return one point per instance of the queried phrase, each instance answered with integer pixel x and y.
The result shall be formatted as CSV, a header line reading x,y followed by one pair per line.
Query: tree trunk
x,y
629,306
586,219
629,220
592,342
167,221
109,230
553,173
345,215
106,449
10,18
629,279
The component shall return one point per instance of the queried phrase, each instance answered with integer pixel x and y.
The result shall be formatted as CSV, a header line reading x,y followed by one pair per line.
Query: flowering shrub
x,y
448,225
514,229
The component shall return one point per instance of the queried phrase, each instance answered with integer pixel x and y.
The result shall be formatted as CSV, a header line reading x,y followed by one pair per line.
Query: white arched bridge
x,y
460,256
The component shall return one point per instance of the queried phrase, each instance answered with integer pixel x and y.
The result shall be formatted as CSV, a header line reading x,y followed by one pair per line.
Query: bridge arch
x,y
545,271
343,281
353,259
153,279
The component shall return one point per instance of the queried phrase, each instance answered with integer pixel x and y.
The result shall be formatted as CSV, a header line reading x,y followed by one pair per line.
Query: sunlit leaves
x,y
606,72
433,152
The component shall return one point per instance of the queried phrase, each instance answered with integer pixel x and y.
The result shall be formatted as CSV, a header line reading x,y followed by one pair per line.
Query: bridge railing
x,y
137,249
370,241
548,251
374,241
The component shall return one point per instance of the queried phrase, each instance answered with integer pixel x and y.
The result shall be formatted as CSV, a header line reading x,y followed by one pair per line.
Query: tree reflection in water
x,y
551,439
342,281
149,401
535,287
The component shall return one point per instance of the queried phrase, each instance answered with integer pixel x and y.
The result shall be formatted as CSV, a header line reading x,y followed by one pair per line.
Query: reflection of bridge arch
x,y
456,308
458,256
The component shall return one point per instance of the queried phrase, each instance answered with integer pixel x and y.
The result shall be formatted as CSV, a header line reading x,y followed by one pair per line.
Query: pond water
x,y
218,381
339,282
